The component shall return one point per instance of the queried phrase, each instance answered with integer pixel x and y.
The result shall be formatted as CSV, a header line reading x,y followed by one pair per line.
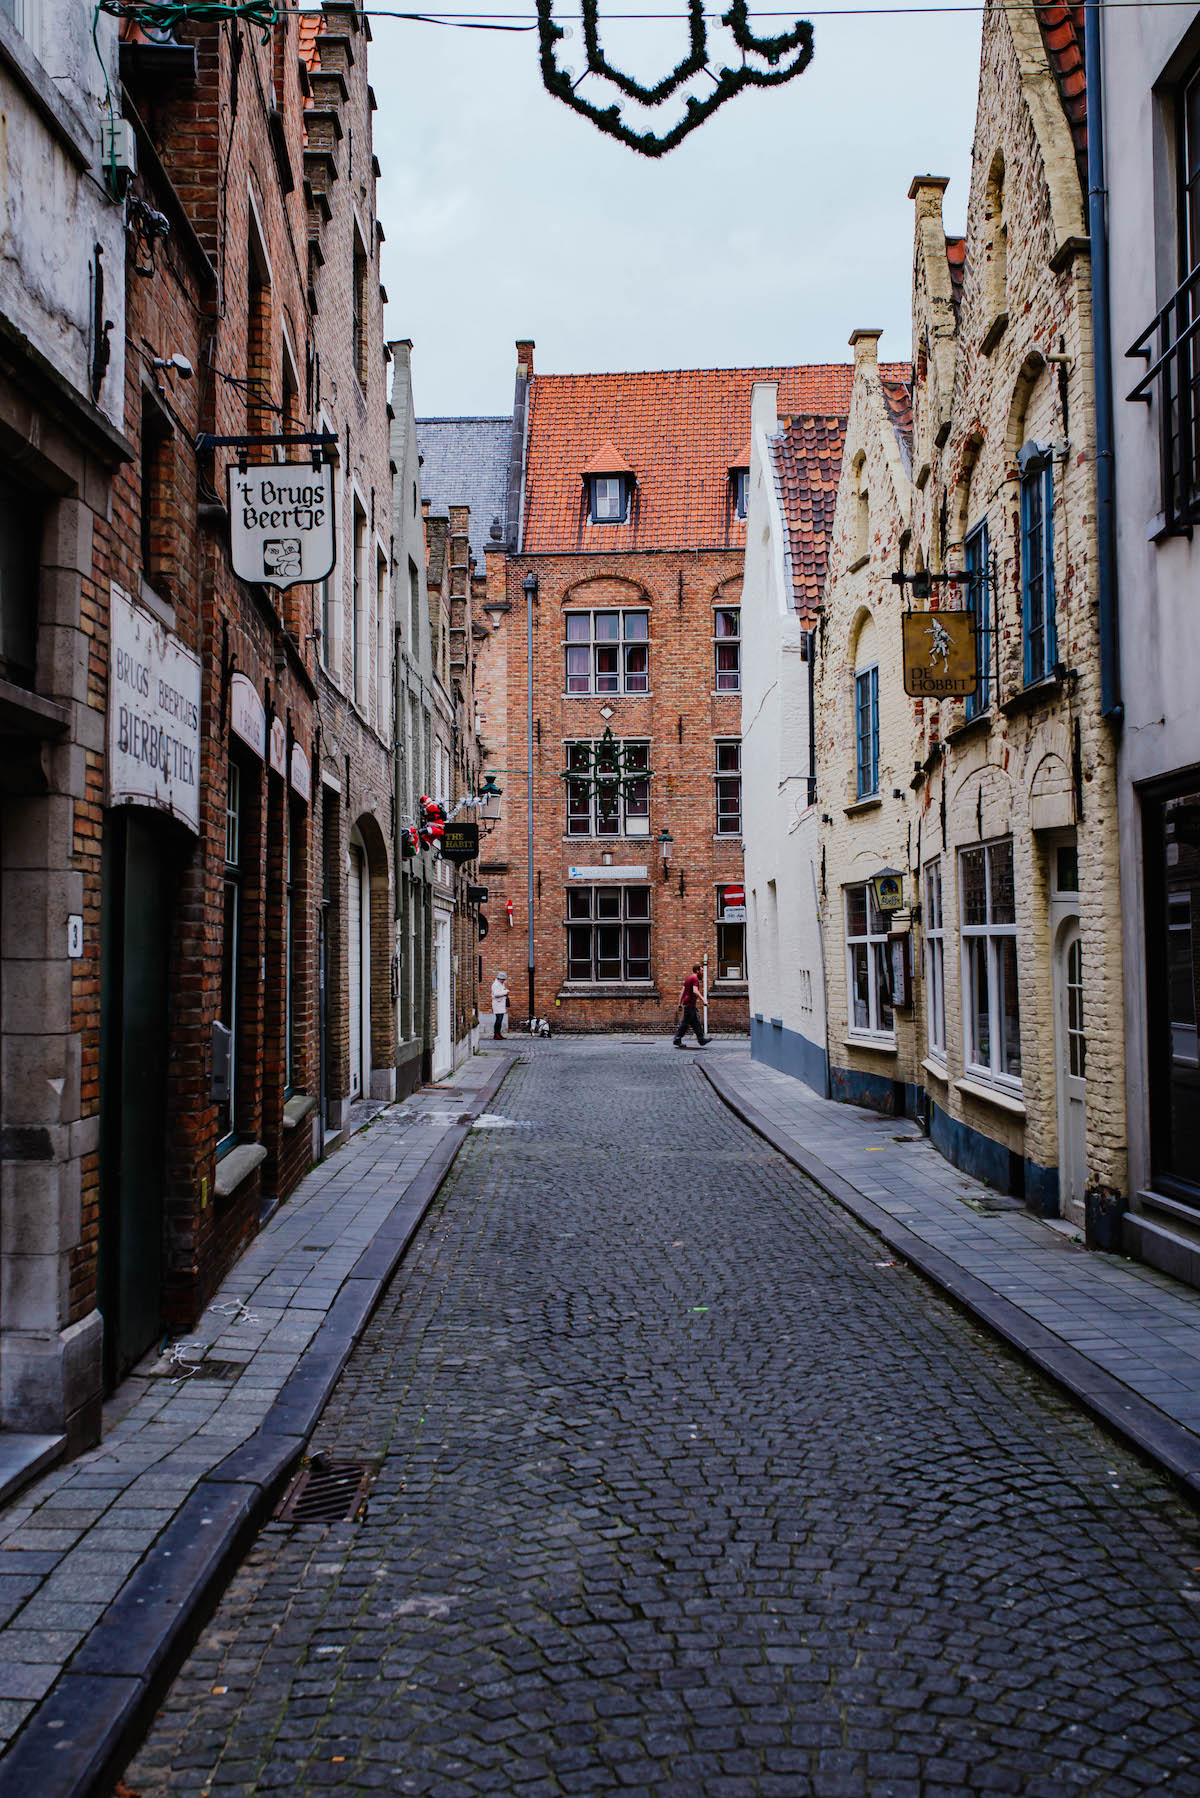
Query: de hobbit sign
x,y
281,523
940,656
153,715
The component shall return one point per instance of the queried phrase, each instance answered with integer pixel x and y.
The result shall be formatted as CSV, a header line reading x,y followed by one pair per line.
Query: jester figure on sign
x,y
941,645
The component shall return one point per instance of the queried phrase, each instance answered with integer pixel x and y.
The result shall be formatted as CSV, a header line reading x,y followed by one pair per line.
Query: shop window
x,y
935,962
608,934
231,943
631,814
727,645
20,555
975,567
731,939
608,652
1172,836
866,732
1037,570
729,786
991,999
868,976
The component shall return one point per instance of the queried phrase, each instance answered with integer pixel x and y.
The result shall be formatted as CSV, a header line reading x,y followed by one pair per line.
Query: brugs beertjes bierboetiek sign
x,y
281,523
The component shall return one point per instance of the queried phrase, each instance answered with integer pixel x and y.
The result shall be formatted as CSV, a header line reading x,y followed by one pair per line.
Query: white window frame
x,y
620,920
876,941
608,498
359,613
722,779
992,936
722,681
935,961
626,824
869,674
741,492
622,642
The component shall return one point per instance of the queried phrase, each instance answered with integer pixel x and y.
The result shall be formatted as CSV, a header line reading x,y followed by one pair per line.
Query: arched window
x,y
866,711
996,252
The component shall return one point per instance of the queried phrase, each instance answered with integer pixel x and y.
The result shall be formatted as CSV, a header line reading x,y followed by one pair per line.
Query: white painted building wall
x,y
787,1002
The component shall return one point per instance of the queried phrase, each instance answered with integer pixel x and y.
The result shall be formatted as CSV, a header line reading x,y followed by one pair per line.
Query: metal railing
x,y
1172,354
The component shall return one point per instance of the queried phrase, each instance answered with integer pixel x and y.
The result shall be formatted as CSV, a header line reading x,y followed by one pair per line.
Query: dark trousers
x,y
690,1021
499,1020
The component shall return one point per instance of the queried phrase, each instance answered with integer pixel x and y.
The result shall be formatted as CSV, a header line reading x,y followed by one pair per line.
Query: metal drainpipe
x,y
529,796
1111,706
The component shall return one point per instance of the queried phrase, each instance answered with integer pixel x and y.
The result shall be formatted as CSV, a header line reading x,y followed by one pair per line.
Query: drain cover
x,y
326,1492
199,1370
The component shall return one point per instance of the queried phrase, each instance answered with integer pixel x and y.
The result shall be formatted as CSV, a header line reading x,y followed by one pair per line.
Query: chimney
x,y
927,191
525,348
865,345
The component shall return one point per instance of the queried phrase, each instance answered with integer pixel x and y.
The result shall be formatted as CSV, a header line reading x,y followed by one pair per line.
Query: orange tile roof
x,y
896,380
310,26
808,462
607,460
956,256
1062,34
679,429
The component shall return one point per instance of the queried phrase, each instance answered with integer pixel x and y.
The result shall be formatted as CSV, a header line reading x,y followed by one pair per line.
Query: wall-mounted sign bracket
x,y
316,440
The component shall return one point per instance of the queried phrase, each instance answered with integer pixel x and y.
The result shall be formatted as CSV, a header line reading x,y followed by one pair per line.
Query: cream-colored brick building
x,y
997,811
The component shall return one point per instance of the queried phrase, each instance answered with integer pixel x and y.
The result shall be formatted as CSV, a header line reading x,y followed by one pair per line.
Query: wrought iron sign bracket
x,y
316,440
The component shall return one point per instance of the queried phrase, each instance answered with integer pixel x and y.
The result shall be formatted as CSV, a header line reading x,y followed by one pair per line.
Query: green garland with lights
x,y
165,15
726,82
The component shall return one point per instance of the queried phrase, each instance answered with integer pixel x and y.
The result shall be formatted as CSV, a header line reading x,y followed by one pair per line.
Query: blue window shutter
x,y
1048,567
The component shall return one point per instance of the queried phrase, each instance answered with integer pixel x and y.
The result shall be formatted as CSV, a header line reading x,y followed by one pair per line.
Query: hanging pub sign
x,y
153,715
940,655
247,714
281,523
460,840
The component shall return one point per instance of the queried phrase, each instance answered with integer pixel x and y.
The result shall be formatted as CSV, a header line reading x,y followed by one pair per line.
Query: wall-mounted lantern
x,y
888,888
666,843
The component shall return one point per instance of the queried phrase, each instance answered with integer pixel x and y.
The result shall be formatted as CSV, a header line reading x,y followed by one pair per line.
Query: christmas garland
x,y
165,15
726,82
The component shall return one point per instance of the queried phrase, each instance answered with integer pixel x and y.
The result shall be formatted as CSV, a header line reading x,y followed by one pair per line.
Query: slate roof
x,y
464,462
1062,34
808,459
680,430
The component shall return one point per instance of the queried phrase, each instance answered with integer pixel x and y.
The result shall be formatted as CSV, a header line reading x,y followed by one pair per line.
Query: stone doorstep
x,y
23,1457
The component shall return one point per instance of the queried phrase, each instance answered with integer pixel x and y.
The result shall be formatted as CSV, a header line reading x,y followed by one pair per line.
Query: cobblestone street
x,y
682,1486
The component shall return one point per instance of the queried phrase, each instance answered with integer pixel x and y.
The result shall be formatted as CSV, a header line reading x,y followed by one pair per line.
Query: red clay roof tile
x,y
808,461
607,460
956,256
1062,35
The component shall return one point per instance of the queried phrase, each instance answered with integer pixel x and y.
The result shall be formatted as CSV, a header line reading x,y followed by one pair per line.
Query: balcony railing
x,y
1172,353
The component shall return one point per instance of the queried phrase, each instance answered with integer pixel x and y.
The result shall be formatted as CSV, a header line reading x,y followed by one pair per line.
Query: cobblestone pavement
x,y
682,1488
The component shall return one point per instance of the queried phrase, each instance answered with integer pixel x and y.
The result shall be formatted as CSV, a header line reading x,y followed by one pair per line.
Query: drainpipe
x,y
1111,706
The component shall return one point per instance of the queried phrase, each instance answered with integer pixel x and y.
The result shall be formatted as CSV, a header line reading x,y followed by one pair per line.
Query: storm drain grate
x,y
183,1368
326,1492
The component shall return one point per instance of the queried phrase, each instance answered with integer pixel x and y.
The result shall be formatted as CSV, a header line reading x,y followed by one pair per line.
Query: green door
x,y
138,892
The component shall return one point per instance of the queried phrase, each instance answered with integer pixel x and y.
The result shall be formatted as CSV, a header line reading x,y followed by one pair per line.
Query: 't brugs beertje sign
x,y
153,715
281,523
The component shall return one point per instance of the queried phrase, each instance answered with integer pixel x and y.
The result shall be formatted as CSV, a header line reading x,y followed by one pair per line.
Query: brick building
x,y
352,613
626,506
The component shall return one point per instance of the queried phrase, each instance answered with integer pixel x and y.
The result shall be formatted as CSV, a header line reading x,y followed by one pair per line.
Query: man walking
x,y
499,1005
689,1004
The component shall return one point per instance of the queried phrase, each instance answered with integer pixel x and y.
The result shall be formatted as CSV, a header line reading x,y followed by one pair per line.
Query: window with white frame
x,y
731,938
988,928
935,961
358,646
608,934
741,491
631,818
1037,570
383,659
729,786
868,976
608,652
608,496
727,645
866,732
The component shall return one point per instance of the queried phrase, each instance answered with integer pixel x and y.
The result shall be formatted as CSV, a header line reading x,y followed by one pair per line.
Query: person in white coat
x,y
499,1004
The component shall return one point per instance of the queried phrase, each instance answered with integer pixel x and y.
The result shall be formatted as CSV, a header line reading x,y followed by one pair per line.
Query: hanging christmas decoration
x,y
795,44
607,768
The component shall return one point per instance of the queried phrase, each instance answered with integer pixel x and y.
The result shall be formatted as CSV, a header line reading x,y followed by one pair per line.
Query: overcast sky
x,y
776,229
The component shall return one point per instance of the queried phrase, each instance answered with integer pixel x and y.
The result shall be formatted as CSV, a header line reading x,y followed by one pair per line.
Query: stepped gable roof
x,y
807,454
464,462
678,427
956,256
1062,34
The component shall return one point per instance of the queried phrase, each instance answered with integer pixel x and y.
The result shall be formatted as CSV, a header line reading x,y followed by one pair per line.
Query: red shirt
x,y
691,990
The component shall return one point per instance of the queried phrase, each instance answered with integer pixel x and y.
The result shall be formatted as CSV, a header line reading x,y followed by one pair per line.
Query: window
x,y
20,552
231,941
358,301
383,690
632,815
868,978
608,652
608,496
975,567
991,1008
155,491
259,417
729,787
293,915
608,933
414,602
731,938
1037,571
866,713
741,492
935,962
727,635
358,647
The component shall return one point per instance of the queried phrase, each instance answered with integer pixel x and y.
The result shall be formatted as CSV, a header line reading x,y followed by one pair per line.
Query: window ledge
x,y
234,1169
978,726
936,1069
1038,694
726,988
296,1109
726,693
871,803
858,562
881,1045
992,1095
995,332
608,990
608,698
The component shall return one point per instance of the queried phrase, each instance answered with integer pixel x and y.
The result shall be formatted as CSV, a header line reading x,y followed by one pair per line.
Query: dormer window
x,y
609,498
739,480
608,485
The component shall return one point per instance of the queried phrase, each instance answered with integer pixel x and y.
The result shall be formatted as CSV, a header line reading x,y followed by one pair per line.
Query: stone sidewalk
x,y
103,1559
1123,1338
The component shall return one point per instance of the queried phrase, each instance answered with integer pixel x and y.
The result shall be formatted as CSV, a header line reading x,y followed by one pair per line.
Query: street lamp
x,y
666,842
489,796
530,588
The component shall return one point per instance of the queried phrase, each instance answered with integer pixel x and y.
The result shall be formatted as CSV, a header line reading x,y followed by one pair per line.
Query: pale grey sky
x,y
766,237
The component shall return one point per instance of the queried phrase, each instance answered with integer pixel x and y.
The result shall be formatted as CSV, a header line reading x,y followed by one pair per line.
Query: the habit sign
x,y
281,523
